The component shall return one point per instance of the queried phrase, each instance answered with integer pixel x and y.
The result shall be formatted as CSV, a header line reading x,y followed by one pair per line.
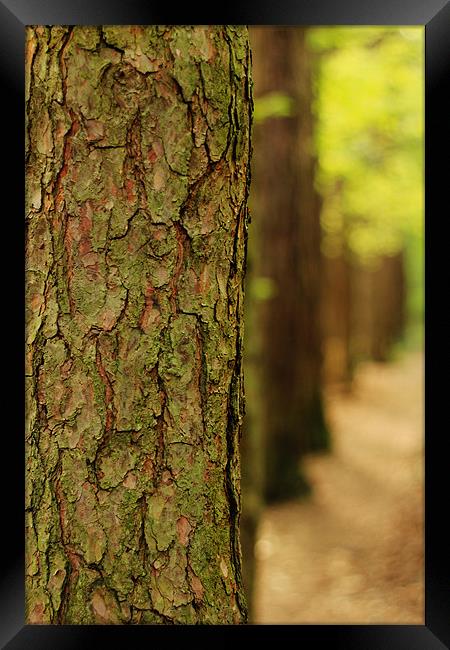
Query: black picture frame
x,y
434,15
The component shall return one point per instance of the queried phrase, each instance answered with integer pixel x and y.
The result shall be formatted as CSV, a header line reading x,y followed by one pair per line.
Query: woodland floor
x,y
353,552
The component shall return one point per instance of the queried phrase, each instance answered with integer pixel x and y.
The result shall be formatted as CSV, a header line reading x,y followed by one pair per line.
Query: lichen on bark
x,y
137,175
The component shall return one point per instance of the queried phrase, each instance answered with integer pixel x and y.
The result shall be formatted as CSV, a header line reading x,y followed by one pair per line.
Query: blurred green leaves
x,y
273,105
263,288
369,141
369,134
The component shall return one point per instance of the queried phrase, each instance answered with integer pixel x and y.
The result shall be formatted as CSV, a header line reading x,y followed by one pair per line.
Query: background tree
x,y
283,339
138,143
285,274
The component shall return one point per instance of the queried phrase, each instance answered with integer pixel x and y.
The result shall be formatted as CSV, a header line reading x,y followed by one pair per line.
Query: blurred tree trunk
x,y
138,144
252,443
283,349
339,319
363,312
399,295
388,305
312,425
286,215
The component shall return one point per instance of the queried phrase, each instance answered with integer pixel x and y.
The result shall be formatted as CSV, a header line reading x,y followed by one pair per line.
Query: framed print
x,y
15,16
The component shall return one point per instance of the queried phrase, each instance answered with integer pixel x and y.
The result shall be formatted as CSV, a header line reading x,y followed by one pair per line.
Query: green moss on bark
x,y
138,146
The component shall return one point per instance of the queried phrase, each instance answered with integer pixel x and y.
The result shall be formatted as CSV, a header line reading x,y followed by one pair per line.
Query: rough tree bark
x,y
138,145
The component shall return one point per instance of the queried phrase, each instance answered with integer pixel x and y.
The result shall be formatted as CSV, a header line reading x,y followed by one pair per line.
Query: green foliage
x,y
272,105
369,111
263,288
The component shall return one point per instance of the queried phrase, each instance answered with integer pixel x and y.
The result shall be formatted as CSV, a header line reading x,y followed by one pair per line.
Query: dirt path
x,y
353,553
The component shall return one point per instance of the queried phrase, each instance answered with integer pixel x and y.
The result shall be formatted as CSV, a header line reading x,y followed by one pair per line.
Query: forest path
x,y
353,552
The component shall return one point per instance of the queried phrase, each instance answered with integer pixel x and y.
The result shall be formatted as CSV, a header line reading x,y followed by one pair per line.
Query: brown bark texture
x,y
137,175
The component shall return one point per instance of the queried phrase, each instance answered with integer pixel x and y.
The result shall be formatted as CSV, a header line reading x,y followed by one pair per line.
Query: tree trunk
x,y
339,318
287,229
363,309
314,429
137,181
388,305
398,299
253,451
